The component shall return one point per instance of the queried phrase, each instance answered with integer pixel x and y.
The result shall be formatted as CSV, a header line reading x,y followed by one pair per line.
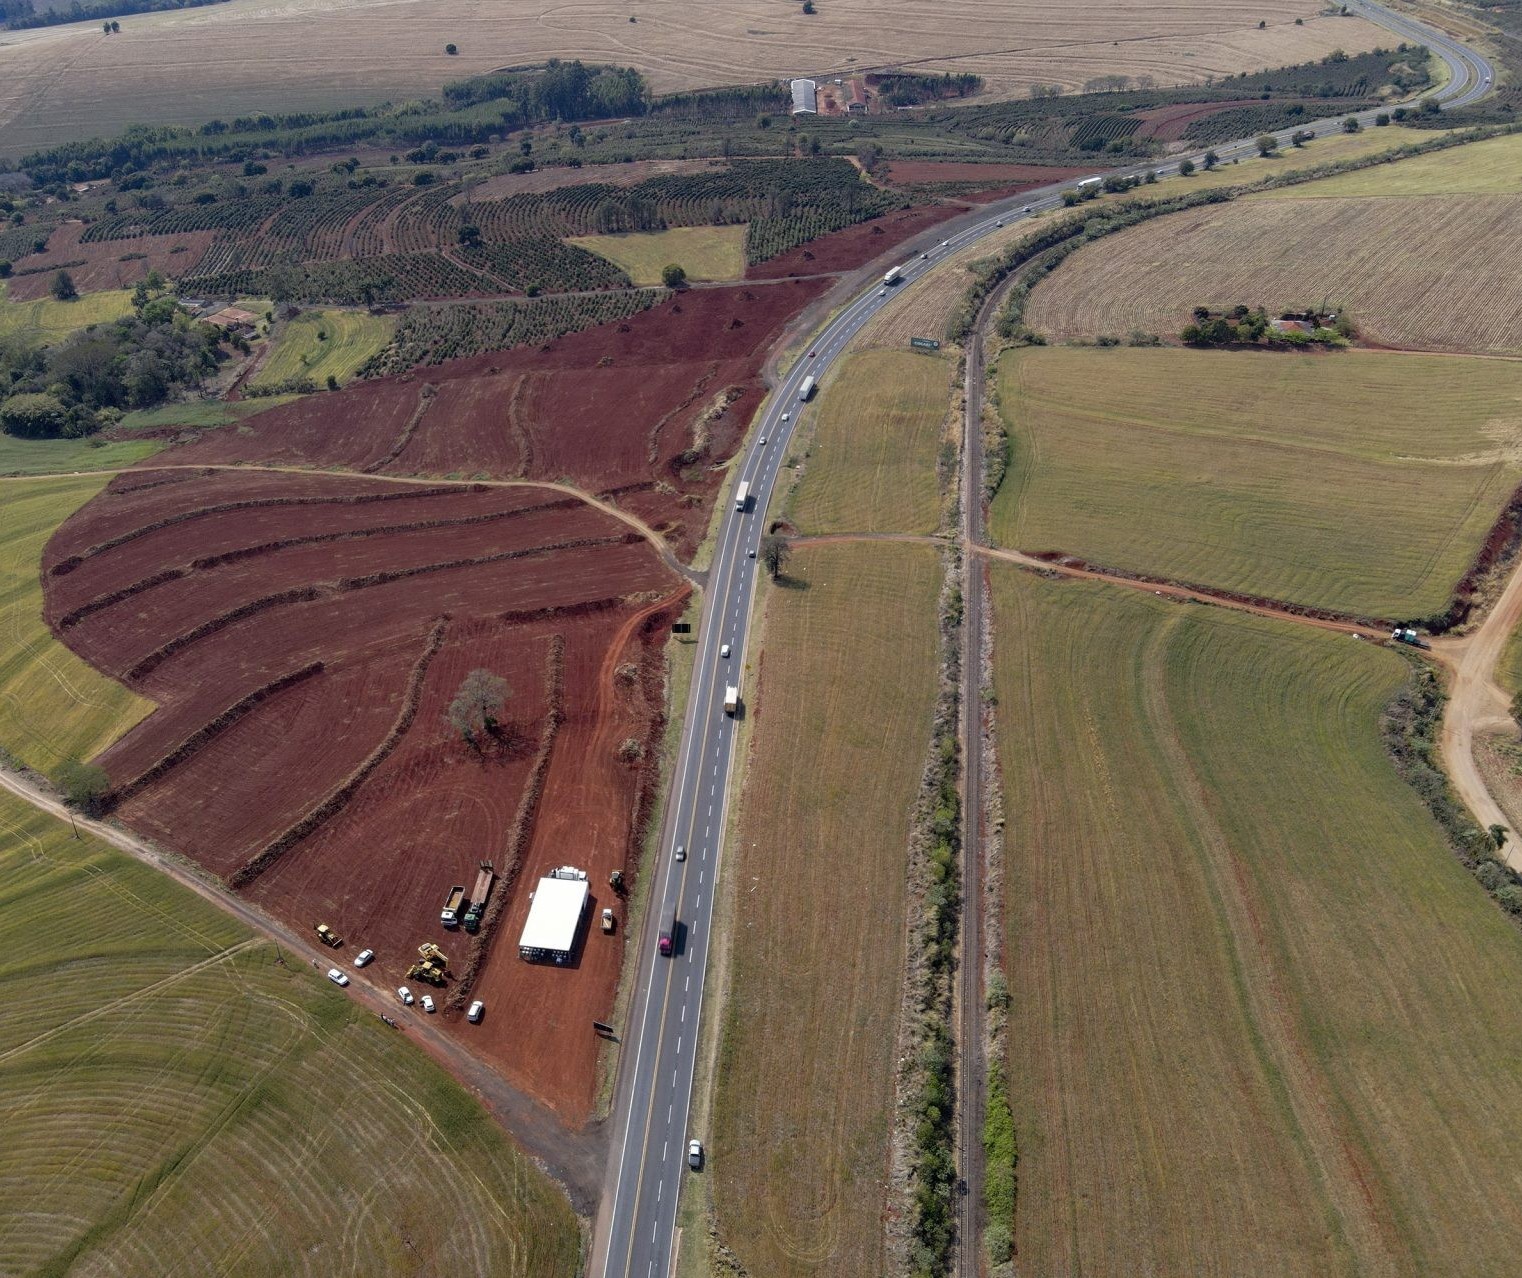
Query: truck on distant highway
x,y
667,943
893,275
484,880
742,494
731,699
449,916
806,389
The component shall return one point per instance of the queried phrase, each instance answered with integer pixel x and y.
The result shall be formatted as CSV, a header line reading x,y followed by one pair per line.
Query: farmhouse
x,y
856,95
554,917
1292,326
233,320
805,97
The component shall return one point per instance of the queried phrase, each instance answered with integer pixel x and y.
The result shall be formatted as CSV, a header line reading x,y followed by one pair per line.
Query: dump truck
x,y
893,275
328,936
731,699
478,895
449,916
806,388
431,966
667,943
608,923
1408,636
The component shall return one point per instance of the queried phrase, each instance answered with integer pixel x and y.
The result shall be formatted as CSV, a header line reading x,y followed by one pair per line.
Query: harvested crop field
x,y
804,1103
1420,272
875,444
1261,1020
112,264
303,636
65,82
1492,167
643,412
703,252
1363,483
177,1098
44,320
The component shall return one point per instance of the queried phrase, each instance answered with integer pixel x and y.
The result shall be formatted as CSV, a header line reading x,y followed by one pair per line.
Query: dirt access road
x,y
575,1158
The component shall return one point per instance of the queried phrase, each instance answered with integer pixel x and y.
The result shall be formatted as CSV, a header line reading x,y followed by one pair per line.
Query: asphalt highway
x,y
636,1232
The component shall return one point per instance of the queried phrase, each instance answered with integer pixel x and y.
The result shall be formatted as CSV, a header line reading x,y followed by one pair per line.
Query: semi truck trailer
x,y
806,389
478,896
667,943
742,495
893,275
731,699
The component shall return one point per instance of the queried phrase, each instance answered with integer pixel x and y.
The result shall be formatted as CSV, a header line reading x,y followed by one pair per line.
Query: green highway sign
x,y
924,343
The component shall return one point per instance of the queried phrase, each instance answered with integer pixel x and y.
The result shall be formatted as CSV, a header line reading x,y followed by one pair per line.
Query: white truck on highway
x,y
807,389
742,495
731,698
893,275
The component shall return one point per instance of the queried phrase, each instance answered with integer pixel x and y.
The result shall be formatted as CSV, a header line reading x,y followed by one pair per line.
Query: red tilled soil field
x,y
646,411
303,636
107,265
847,249
1167,123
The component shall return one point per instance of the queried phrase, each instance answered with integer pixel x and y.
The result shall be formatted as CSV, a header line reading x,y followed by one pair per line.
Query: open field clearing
x,y
804,1098
1261,1020
323,344
53,706
46,320
200,413
177,1099
1385,259
1363,483
58,83
874,447
704,252
303,637
1493,167
57,456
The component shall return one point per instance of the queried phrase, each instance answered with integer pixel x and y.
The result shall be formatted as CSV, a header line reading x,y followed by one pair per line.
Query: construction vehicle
x,y
607,920
328,936
484,880
431,966
616,881
1408,636
731,699
449,916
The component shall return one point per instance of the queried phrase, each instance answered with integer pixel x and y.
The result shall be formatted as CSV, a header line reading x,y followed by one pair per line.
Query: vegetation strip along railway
x,y
636,1227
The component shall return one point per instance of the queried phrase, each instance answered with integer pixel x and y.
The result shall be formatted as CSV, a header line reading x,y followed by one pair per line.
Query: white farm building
x,y
554,916
805,98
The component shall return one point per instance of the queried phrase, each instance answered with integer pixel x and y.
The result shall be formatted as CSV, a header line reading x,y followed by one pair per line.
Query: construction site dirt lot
x,y
645,412
303,636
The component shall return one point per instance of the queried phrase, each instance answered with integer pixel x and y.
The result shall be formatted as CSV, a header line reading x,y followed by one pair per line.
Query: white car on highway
x,y
724,650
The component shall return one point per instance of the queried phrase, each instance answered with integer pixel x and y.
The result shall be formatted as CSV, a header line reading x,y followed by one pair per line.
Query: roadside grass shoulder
x,y
703,252
804,1101
877,433
180,1097
1364,482
53,706
1262,1020
323,344
47,320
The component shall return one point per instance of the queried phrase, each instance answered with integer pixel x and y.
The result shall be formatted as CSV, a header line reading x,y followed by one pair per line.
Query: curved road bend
x,y
636,1228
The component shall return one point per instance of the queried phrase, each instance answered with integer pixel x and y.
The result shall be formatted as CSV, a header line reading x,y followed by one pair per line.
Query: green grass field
x,y
53,706
1363,482
805,1093
201,412
1262,1021
704,252
57,456
1493,167
45,321
872,460
323,344
175,1100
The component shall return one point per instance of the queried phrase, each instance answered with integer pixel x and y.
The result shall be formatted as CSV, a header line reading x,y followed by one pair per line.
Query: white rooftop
x,y
554,915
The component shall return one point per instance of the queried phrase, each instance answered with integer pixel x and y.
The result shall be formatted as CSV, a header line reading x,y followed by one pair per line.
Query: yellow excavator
x,y
328,936
431,966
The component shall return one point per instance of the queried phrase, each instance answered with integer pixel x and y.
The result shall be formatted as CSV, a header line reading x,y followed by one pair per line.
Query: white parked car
x,y
337,977
476,1010
428,1002
405,995
363,957
694,1154
723,650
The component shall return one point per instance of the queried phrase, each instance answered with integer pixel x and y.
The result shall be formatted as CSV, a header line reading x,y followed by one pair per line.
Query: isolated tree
x,y
673,276
808,6
83,785
1185,168
1351,125
332,382
474,710
1267,144
451,50
1211,159
63,288
470,236
775,552
115,27
1498,835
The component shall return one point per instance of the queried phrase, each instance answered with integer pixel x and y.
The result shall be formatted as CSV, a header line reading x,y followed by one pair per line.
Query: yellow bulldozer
x,y
328,936
431,966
